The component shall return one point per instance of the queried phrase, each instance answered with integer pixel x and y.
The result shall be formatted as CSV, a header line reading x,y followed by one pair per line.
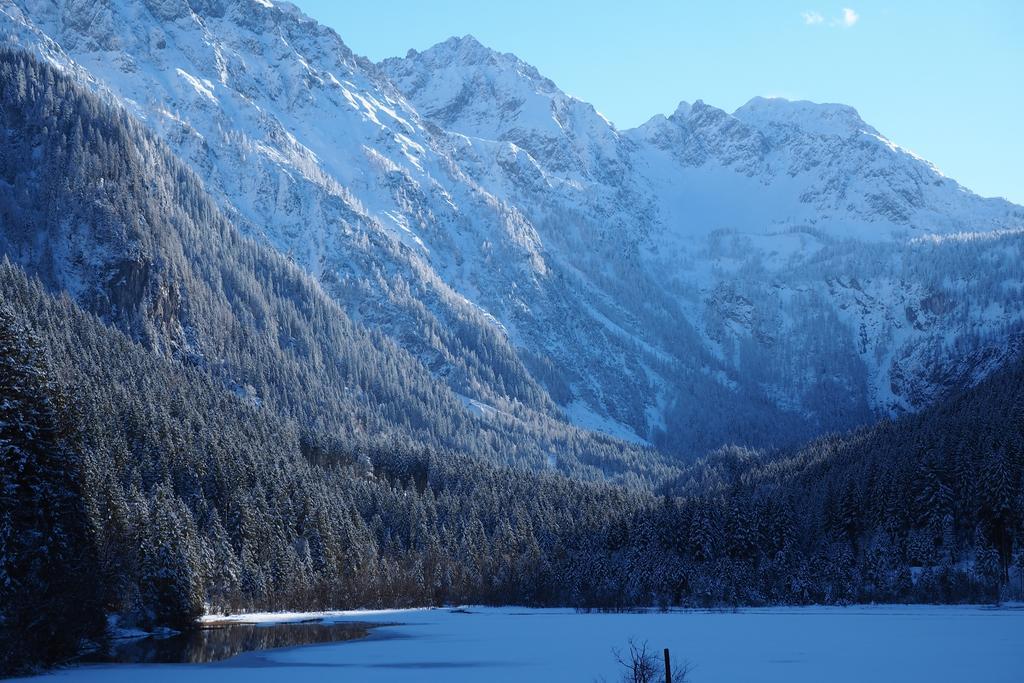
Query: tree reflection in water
x,y
214,642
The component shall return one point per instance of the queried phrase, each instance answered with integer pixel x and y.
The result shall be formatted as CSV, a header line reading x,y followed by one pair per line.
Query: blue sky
x,y
944,79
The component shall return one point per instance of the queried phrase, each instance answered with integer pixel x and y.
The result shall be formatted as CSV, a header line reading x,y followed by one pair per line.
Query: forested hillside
x,y
93,205
188,422
926,508
195,498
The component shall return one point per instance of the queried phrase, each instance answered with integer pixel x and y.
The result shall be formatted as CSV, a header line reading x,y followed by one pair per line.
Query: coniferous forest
x,y
188,422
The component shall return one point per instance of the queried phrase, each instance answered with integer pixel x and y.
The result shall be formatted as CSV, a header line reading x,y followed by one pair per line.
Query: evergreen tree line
x,y
164,494
193,425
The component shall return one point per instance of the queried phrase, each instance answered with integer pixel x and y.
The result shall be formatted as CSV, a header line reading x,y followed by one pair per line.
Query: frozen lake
x,y
884,643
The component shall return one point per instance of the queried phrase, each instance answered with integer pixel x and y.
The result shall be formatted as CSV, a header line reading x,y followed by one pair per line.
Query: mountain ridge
x,y
611,271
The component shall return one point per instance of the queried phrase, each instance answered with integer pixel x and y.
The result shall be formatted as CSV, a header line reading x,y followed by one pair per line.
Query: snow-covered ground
x,y
883,643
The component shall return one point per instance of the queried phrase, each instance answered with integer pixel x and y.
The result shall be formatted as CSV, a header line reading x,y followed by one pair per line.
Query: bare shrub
x,y
641,664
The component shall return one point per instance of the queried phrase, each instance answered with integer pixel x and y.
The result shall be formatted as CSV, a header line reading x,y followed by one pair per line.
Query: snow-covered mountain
x,y
308,147
783,251
754,277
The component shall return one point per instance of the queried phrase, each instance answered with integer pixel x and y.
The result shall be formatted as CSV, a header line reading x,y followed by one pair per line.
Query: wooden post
x,y
668,668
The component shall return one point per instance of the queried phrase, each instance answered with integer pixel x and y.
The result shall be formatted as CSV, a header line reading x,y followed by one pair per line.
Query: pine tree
x,y
171,564
48,601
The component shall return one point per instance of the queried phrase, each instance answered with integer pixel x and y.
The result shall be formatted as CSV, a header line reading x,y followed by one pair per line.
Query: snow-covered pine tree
x,y
171,563
49,601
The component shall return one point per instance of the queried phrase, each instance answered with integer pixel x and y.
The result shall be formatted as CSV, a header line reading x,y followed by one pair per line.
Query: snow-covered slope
x,y
800,164
467,88
755,277
307,147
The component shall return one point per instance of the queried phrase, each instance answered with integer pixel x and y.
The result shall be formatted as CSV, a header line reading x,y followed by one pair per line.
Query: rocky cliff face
x,y
755,277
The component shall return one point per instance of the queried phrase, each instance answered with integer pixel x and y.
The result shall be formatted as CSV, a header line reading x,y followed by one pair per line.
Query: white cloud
x,y
848,18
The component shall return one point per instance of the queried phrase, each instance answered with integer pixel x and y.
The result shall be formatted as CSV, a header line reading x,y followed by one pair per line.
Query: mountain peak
x,y
188,33
470,89
465,49
683,110
459,58
467,41
812,117
461,75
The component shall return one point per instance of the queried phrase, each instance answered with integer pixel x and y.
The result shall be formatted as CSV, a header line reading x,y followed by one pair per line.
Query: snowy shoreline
x,y
287,617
